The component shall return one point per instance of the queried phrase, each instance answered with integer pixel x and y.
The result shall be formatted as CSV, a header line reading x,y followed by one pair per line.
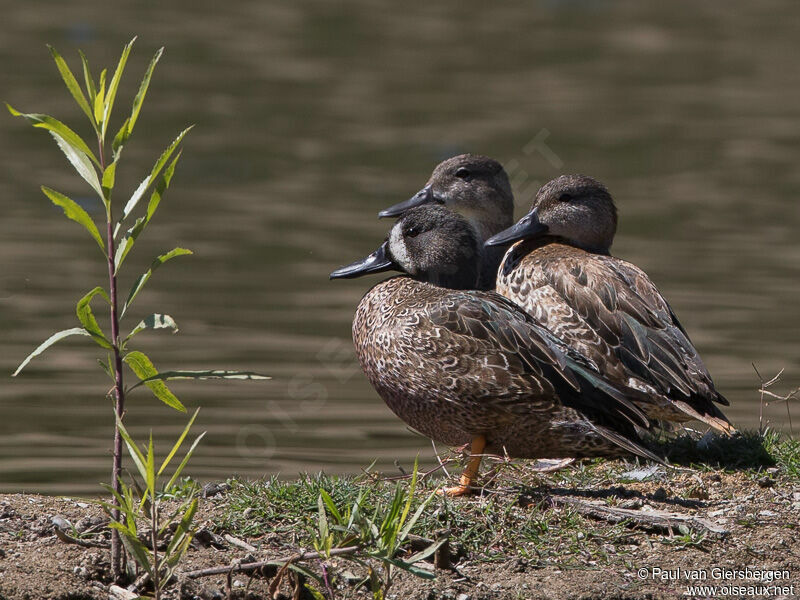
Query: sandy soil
x,y
760,517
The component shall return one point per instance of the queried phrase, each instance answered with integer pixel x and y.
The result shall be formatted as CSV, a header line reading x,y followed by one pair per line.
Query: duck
x,y
477,188
468,367
559,268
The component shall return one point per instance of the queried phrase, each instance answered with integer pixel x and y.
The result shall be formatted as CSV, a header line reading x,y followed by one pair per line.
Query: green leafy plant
x,y
96,101
379,536
143,501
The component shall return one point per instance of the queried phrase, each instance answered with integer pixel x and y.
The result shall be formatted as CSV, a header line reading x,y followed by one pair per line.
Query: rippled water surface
x,y
312,116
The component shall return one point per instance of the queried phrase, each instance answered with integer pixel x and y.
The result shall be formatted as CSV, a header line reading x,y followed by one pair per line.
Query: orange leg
x,y
470,474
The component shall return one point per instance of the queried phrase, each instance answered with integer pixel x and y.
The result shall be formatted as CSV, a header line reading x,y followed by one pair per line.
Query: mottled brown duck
x,y
560,270
477,188
470,367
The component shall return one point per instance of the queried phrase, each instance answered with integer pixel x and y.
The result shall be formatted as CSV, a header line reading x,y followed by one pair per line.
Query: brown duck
x,y
561,271
477,188
464,366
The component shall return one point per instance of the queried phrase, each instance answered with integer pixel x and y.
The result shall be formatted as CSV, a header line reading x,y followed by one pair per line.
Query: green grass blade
x,y
85,315
208,374
72,85
326,498
74,212
142,280
185,460
154,321
139,99
136,454
51,124
148,181
183,529
80,161
49,342
415,517
113,85
144,369
401,564
178,443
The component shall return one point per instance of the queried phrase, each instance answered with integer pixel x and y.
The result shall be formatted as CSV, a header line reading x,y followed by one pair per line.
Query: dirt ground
x,y
757,556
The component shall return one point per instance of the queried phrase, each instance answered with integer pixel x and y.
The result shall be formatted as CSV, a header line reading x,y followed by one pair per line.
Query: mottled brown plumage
x,y
457,364
561,272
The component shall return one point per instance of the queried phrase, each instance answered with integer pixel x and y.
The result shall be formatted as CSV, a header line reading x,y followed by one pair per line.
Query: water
x,y
313,116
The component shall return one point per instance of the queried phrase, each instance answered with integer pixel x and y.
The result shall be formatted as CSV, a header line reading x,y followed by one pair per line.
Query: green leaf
x,y
112,87
154,321
414,570
126,244
136,548
136,454
87,77
144,369
106,368
139,99
81,162
74,212
109,176
422,554
49,342
161,187
185,460
150,469
142,280
148,181
99,99
210,374
326,498
47,122
86,317
72,85
119,140
183,529
178,443
155,199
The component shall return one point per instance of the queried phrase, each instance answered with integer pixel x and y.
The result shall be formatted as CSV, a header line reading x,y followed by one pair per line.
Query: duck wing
x,y
620,302
523,367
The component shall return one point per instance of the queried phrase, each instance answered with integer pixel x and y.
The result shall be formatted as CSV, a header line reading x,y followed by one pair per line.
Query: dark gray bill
x,y
424,196
527,227
377,262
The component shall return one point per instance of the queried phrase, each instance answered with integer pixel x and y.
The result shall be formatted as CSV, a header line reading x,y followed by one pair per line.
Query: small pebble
x,y
660,495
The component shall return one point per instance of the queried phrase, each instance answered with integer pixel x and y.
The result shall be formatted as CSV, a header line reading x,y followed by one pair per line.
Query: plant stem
x,y
119,390
154,540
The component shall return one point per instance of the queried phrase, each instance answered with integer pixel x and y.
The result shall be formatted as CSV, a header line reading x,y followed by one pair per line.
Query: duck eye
x,y
413,231
565,197
463,173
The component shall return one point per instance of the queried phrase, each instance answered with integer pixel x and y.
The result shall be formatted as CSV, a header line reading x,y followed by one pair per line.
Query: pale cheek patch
x,y
397,245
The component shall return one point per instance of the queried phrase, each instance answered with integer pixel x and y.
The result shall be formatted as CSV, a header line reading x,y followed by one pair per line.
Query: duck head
x,y
474,186
429,243
577,208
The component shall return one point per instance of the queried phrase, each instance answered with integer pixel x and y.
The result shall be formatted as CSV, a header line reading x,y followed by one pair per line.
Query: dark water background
x,y
311,116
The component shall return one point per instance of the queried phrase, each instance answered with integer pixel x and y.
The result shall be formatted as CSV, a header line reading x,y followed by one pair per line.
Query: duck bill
x,y
527,227
377,262
425,196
